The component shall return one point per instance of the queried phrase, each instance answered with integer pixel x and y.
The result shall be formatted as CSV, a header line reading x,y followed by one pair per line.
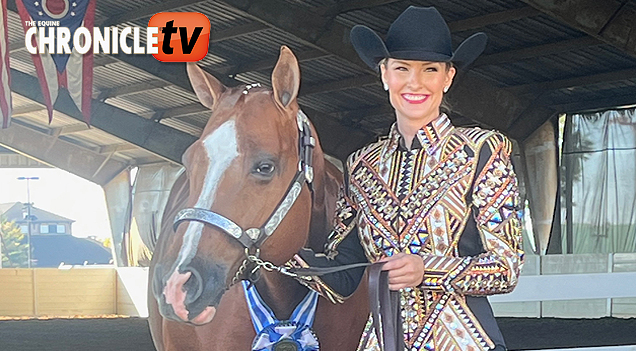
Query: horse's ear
x,y
207,88
286,78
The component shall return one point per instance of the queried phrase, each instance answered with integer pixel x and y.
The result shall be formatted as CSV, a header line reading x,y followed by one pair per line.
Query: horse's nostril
x,y
194,286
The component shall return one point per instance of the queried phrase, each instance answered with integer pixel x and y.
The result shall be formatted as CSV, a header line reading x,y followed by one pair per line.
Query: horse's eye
x,y
264,169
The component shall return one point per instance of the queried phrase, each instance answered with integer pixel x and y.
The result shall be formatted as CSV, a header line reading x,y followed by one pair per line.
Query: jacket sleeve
x,y
342,247
496,211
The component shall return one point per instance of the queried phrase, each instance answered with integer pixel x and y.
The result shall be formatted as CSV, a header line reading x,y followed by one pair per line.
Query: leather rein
x,y
384,304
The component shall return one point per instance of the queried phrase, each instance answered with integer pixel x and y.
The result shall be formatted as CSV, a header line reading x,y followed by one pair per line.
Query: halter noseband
x,y
255,237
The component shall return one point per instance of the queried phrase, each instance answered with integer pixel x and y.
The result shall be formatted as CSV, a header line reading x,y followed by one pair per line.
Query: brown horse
x,y
237,175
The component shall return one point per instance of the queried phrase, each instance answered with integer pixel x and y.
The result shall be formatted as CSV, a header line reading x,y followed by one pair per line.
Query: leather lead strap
x,y
385,304
385,310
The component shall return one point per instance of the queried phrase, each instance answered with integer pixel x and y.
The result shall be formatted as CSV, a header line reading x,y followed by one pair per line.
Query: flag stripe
x,y
87,67
75,73
5,76
37,62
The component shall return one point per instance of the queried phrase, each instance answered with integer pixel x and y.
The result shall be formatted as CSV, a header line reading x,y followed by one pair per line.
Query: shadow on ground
x,y
132,334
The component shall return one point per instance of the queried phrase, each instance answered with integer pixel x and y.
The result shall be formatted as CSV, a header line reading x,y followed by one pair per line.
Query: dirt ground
x,y
132,334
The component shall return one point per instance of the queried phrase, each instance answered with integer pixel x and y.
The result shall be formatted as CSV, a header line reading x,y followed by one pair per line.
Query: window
x,y
24,229
52,229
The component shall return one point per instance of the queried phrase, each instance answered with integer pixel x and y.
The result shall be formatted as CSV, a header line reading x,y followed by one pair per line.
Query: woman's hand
x,y
405,271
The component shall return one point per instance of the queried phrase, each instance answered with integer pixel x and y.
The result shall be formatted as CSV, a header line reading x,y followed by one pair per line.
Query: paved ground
x,y
132,334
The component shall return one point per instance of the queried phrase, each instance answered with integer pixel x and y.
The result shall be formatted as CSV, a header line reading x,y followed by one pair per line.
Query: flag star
x,y
72,13
36,3
40,13
74,4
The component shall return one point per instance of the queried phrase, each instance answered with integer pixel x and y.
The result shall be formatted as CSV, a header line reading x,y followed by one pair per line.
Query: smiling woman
x,y
416,90
438,204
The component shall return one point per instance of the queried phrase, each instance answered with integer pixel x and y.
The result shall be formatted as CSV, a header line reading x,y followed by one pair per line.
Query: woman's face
x,y
416,88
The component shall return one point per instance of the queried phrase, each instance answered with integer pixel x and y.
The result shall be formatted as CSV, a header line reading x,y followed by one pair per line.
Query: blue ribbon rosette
x,y
294,334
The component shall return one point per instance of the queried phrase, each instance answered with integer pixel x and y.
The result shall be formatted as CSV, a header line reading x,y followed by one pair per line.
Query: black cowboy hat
x,y
419,33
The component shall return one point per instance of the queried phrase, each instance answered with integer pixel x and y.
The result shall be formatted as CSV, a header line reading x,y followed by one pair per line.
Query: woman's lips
x,y
415,98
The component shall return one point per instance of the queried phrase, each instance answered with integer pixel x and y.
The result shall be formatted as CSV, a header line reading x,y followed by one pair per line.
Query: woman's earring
x,y
446,89
386,87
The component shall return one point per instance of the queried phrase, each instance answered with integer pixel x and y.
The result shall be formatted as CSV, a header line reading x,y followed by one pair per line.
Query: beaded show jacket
x,y
423,201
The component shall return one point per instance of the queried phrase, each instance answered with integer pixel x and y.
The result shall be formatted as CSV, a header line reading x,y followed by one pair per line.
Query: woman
x,y
438,203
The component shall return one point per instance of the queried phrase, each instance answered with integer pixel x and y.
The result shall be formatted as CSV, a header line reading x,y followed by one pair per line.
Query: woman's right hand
x,y
405,270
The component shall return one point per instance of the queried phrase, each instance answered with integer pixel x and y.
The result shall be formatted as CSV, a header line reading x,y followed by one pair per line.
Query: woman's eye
x,y
431,69
403,69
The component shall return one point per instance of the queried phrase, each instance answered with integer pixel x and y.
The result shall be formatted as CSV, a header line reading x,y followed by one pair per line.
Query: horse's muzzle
x,y
189,293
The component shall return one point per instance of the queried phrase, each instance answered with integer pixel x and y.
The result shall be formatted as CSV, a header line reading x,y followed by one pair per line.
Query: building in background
x,y
51,238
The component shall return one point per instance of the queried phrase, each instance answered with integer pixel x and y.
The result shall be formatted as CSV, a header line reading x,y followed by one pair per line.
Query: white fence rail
x,y
571,287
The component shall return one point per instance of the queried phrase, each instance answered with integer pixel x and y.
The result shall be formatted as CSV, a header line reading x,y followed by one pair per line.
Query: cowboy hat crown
x,y
419,33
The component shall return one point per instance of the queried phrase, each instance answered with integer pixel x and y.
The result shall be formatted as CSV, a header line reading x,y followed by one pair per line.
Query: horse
x,y
256,162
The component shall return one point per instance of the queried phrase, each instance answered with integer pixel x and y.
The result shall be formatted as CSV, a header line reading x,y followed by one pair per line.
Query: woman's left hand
x,y
405,271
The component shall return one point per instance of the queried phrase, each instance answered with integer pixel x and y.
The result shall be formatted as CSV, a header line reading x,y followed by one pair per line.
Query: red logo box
x,y
183,36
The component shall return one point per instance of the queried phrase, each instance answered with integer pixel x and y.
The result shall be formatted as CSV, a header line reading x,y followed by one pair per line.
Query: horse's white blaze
x,y
221,148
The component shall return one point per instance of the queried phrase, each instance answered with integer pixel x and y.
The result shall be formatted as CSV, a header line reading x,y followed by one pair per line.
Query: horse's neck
x,y
281,293
327,183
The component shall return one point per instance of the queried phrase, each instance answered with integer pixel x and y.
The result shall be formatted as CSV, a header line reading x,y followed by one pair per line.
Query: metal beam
x,y
611,21
357,114
146,11
56,152
580,105
536,51
347,6
25,110
237,31
161,140
182,111
106,149
492,18
70,129
269,63
132,89
613,76
340,84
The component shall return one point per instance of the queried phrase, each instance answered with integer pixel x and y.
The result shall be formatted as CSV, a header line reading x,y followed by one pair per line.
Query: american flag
x,y
5,76
73,72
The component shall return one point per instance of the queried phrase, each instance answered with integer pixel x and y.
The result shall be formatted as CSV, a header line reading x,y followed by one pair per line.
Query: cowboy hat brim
x,y
372,49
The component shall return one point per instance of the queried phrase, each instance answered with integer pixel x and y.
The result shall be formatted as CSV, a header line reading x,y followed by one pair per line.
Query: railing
x,y
572,286
73,291
568,286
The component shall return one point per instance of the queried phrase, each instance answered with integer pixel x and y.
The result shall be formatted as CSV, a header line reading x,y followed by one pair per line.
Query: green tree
x,y
13,246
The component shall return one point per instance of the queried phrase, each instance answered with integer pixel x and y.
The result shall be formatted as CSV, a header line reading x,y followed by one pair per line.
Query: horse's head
x,y
245,191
